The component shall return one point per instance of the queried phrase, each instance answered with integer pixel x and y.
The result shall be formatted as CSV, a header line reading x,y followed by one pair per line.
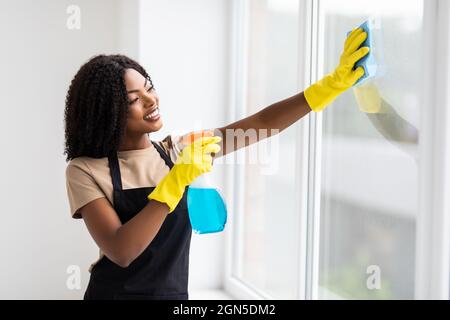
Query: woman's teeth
x,y
153,115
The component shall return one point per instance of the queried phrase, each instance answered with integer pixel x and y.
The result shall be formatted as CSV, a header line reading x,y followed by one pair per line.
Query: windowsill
x,y
209,295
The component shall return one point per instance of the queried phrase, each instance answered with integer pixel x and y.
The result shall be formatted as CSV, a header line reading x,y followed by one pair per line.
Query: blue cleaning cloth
x,y
368,62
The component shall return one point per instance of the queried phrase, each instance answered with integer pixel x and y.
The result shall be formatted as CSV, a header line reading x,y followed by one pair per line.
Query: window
x,y
369,199
357,208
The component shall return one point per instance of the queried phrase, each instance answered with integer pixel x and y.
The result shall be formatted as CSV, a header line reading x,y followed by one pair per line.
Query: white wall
x,y
39,57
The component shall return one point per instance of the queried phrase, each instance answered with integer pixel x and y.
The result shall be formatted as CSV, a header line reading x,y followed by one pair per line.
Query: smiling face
x,y
143,105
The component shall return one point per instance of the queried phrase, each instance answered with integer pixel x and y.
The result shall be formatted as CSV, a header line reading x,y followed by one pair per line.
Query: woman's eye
x,y
133,101
136,99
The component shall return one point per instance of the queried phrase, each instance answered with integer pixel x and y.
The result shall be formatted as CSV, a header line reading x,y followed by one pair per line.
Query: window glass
x,y
369,177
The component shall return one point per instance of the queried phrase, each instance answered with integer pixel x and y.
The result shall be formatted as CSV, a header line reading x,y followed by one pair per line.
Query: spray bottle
x,y
206,207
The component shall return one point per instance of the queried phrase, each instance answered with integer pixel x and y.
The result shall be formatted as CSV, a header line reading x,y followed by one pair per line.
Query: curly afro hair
x,y
96,108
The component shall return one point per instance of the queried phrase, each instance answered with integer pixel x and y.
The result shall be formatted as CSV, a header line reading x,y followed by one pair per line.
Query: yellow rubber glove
x,y
368,98
191,137
322,93
194,160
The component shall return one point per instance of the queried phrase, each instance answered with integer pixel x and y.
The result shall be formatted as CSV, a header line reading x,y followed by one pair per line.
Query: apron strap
x,y
114,170
163,155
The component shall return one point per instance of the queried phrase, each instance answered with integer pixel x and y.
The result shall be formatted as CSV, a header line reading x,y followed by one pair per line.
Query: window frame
x,y
433,220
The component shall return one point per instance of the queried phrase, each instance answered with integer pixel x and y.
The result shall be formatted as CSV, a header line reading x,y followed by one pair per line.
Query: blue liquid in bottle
x,y
207,210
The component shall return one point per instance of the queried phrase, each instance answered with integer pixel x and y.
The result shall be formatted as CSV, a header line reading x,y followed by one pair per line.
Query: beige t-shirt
x,y
88,179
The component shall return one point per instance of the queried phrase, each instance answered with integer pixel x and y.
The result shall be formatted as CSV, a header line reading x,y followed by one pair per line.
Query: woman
x,y
130,191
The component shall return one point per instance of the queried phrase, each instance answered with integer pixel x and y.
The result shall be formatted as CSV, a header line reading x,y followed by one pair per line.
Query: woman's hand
x,y
322,93
194,160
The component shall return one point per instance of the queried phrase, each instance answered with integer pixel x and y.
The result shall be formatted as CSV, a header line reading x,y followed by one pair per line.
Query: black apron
x,y
161,271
